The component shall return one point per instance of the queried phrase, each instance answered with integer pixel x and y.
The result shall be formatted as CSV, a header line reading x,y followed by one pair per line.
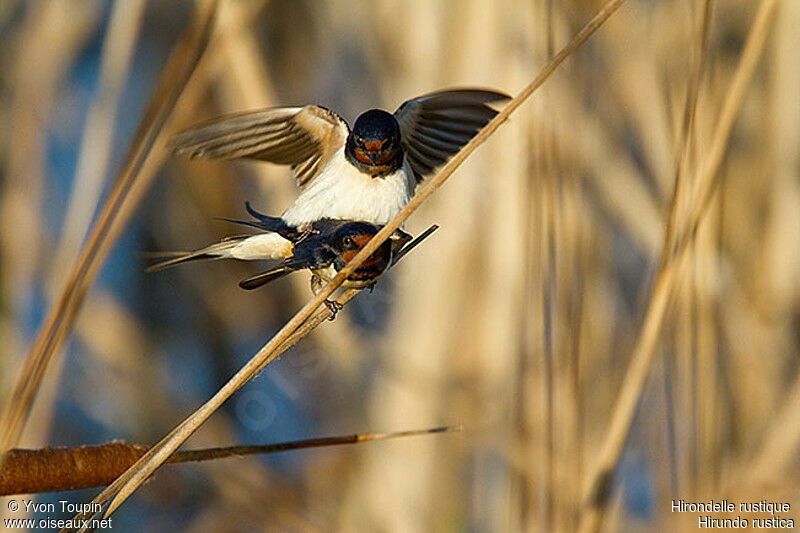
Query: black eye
x,y
348,241
386,144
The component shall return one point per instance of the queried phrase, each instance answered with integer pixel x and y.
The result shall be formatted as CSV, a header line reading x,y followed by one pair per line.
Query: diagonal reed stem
x,y
324,314
126,484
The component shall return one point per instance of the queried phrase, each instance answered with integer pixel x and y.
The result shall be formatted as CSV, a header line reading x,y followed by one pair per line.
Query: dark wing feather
x,y
306,255
303,137
435,126
263,278
268,223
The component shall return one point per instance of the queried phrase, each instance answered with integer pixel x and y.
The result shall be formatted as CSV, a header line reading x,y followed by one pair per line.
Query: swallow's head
x,y
374,144
349,239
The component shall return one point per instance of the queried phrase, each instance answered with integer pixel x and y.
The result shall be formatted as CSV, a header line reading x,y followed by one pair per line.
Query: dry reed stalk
x,y
620,189
687,128
709,426
548,235
38,60
524,503
781,261
683,381
527,453
776,287
46,45
95,152
599,484
61,316
118,45
571,264
124,486
571,273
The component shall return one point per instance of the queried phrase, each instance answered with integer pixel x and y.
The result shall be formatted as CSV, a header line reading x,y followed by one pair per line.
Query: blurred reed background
x,y
517,319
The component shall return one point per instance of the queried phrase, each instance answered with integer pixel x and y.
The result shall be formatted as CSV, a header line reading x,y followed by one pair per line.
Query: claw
x,y
334,307
307,231
316,284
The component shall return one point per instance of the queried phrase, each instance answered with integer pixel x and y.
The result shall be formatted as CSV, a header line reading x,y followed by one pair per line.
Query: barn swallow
x,y
326,252
368,173
324,247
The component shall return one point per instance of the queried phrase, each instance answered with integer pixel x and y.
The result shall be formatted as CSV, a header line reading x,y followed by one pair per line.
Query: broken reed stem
x,y
83,467
598,489
127,483
179,67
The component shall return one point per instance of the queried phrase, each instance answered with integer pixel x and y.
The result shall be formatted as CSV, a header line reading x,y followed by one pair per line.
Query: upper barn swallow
x,y
365,174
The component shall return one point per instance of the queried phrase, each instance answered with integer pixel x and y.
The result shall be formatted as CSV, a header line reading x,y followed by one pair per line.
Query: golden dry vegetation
x,y
609,308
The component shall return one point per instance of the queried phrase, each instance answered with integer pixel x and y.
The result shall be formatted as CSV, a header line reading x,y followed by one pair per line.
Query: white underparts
x,y
341,191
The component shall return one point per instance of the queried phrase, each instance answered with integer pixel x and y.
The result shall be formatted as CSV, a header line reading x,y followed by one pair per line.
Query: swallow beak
x,y
374,151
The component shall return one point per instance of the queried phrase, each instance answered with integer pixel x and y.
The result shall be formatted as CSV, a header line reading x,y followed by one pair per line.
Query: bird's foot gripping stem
x,y
334,307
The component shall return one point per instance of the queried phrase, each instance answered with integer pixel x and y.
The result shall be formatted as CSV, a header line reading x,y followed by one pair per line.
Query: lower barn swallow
x,y
327,251
324,247
368,173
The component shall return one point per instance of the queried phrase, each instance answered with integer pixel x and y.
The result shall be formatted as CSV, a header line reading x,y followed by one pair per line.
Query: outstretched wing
x,y
435,126
303,137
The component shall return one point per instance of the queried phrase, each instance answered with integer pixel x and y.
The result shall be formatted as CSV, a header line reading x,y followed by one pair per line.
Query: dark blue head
x,y
376,125
349,239
374,143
